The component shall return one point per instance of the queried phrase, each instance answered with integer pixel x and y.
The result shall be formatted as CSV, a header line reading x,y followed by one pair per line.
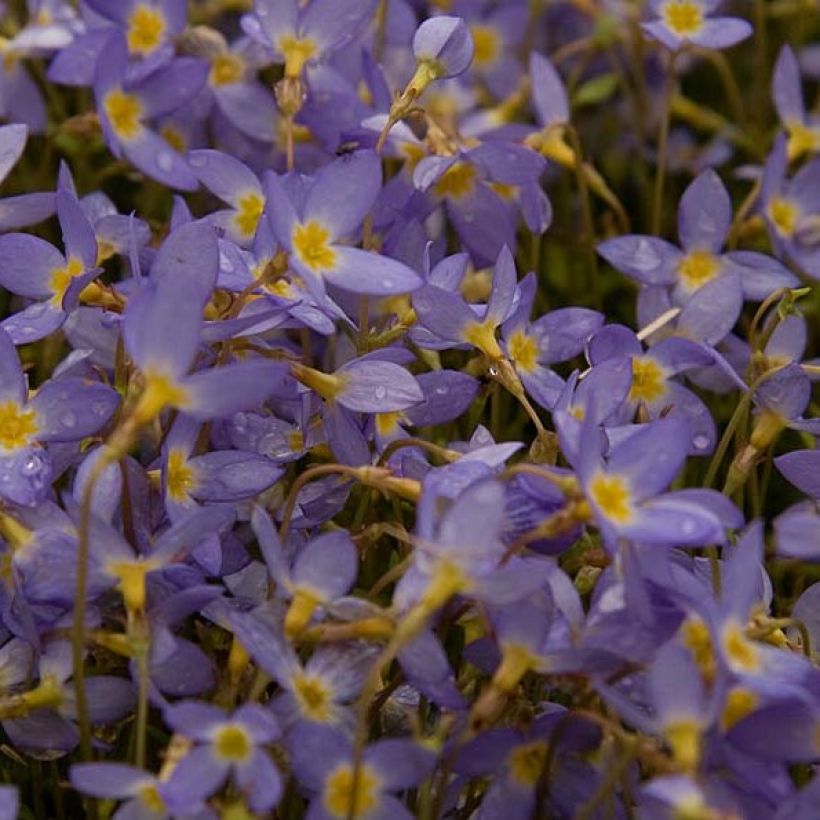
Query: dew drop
x,y
68,419
387,283
701,442
645,257
99,408
442,390
688,526
381,392
197,161
165,162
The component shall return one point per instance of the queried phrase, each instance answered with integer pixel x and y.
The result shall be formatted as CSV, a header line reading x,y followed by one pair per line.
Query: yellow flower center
x,y
742,653
413,154
181,478
124,112
311,242
784,214
145,29
160,392
232,743
802,140
248,211
61,279
346,796
683,17
698,640
388,423
226,69
697,268
523,350
486,44
151,799
313,696
457,181
296,53
740,703
683,738
17,426
648,380
175,138
611,494
130,576
527,762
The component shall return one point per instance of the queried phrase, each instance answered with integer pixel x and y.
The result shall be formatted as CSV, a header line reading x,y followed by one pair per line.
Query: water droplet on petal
x,y
688,526
442,390
165,162
701,442
197,161
387,283
381,392
68,419
645,257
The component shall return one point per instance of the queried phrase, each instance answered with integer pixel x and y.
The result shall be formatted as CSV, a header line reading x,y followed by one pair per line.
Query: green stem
x,y
663,145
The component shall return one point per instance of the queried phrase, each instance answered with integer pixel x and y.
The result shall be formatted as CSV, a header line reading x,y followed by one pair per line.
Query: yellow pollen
x,y
697,268
784,214
296,53
313,697
802,140
611,494
457,181
181,478
151,799
145,29
742,653
226,69
740,703
683,17
281,288
175,138
61,279
124,112
504,191
527,762
232,743
523,350
485,41
698,640
578,412
311,242
684,738
346,796
248,211
482,336
648,380
17,426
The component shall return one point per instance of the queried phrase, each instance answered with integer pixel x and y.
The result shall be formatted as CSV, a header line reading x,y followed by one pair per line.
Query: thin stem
x,y
663,144
290,150
143,684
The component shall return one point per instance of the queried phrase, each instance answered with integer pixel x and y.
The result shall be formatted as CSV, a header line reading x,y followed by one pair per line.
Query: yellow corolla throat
x,y
388,424
226,69
648,380
697,268
160,392
181,476
232,743
684,739
301,610
61,278
457,182
741,653
311,244
697,638
526,763
784,214
802,139
296,53
18,427
482,336
740,703
248,212
130,577
523,350
487,45
611,495
124,112
146,28
349,795
683,17
313,697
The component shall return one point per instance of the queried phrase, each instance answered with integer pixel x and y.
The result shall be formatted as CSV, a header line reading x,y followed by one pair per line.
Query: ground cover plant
x,y
407,409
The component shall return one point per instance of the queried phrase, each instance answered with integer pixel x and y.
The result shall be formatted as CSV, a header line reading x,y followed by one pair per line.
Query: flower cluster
x,y
374,441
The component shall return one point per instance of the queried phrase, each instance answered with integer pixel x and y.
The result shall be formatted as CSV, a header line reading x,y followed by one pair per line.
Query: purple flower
x,y
683,22
803,131
443,46
125,107
323,762
224,746
24,209
310,221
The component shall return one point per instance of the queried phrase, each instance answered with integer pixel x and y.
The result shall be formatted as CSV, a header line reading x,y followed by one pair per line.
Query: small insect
x,y
348,147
